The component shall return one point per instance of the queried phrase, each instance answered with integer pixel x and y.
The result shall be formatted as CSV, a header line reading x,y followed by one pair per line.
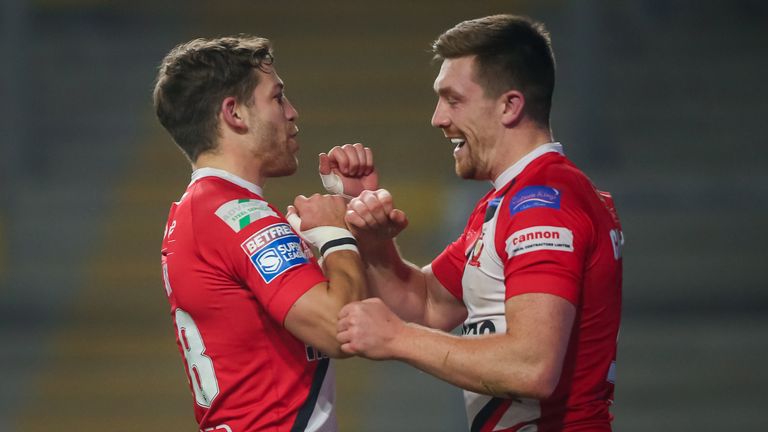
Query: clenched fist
x,y
369,329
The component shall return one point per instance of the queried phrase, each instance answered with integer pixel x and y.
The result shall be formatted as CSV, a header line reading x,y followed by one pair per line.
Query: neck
x,y
518,142
243,167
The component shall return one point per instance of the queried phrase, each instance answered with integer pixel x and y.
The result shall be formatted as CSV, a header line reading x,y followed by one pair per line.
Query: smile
x,y
458,142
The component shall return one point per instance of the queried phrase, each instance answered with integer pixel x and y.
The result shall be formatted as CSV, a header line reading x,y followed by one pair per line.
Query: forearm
x,y
346,278
491,364
314,316
399,283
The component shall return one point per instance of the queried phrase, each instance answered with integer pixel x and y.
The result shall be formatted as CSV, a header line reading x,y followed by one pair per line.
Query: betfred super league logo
x,y
274,249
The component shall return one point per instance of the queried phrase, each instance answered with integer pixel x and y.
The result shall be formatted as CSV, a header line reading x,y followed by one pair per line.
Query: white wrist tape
x,y
327,239
333,184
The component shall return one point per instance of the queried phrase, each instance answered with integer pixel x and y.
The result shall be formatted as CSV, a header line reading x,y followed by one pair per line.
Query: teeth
x,y
457,141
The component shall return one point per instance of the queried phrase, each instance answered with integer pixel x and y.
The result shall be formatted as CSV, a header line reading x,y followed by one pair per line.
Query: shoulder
x,y
219,204
545,211
558,170
558,179
552,191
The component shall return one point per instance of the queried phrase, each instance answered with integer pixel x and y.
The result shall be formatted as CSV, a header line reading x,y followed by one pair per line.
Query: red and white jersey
x,y
544,228
232,269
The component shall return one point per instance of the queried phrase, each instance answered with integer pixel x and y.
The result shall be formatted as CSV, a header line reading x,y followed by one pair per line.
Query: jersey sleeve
x,y
542,238
257,247
448,267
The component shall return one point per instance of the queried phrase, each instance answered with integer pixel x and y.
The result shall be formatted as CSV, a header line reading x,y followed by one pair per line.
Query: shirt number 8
x,y
200,367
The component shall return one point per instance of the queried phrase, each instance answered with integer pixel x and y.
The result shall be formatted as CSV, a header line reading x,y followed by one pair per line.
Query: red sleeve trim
x,y
449,272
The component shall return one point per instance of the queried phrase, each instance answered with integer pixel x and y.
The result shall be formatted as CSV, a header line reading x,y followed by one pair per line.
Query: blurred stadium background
x,y
662,103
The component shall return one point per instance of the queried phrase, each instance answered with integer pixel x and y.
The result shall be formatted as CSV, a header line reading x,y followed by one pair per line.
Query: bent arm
x,y
526,361
313,317
413,293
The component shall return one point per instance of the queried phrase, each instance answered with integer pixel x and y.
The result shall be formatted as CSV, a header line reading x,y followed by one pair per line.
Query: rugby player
x,y
255,315
535,277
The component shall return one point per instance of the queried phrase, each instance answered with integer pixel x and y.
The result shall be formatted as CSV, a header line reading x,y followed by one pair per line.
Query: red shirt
x,y
232,268
543,229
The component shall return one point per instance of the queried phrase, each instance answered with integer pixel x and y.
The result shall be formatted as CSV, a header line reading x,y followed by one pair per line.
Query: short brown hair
x,y
195,77
513,52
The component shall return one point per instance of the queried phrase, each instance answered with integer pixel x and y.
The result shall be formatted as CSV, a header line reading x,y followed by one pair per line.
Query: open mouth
x,y
458,142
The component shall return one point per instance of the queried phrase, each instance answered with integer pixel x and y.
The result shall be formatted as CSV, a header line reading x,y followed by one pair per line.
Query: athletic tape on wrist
x,y
327,239
343,243
333,184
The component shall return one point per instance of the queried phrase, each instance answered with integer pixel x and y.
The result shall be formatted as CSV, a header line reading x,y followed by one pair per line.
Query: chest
x,y
483,276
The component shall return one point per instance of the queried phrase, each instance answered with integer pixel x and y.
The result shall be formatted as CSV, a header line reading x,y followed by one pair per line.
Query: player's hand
x,y
368,328
373,216
319,210
348,170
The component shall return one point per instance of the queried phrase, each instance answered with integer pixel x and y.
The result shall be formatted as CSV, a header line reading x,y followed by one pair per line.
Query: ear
x,y
513,103
233,114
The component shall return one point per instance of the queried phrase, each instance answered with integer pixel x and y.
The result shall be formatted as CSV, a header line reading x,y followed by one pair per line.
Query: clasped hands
x,y
370,214
366,328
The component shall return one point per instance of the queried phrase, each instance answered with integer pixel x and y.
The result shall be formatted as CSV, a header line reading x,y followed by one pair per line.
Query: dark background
x,y
663,103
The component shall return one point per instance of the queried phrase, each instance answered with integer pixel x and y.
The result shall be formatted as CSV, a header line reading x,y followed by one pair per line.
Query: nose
x,y
290,112
439,118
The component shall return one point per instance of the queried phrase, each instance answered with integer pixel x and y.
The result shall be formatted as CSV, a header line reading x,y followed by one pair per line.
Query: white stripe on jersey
x,y
323,418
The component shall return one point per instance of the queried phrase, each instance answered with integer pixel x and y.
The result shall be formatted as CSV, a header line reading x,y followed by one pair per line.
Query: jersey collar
x,y
228,176
519,166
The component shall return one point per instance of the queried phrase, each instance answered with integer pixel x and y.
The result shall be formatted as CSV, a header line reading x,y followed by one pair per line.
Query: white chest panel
x,y
483,285
484,296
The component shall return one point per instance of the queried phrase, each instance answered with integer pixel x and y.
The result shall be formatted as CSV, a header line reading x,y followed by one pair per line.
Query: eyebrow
x,y
448,92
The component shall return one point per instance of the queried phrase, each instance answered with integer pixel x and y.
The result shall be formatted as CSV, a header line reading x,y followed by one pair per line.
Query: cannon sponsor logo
x,y
540,238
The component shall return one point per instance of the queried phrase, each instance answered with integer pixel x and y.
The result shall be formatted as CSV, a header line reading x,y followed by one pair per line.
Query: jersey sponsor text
x,y
540,238
240,213
534,196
